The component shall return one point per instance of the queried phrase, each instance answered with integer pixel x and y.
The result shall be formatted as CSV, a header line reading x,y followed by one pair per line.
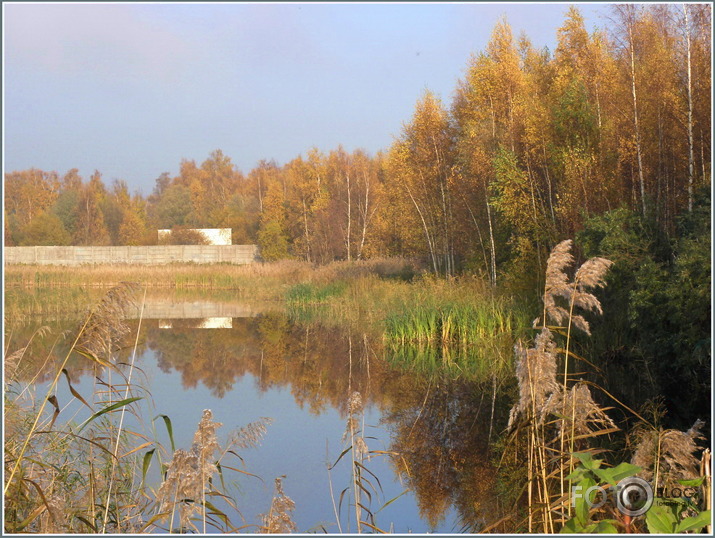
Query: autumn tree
x,y
27,194
421,165
45,229
488,113
174,207
90,227
272,237
67,203
133,229
115,204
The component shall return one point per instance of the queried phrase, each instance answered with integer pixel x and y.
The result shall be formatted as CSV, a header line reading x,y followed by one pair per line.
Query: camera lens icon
x,y
634,496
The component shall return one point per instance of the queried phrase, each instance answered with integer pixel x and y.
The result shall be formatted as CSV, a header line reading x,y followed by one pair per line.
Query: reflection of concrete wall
x,y
199,323
192,310
215,236
146,255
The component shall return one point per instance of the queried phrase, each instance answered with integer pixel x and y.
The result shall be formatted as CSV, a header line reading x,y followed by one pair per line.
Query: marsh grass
x,y
279,519
49,485
307,293
257,279
553,418
473,339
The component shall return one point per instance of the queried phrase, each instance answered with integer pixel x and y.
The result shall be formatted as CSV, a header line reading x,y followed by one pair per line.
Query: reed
x,y
215,276
465,339
51,485
554,417
279,519
365,488
556,420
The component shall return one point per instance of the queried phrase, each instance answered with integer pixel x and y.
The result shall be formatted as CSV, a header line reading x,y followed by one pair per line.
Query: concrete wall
x,y
147,255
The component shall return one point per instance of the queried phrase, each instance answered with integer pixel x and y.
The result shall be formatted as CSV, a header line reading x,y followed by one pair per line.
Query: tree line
x,y
532,145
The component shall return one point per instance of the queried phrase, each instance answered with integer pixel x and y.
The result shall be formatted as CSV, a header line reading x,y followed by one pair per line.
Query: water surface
x,y
250,365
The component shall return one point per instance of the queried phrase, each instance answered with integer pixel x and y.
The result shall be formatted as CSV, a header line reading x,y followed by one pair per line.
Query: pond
x,y
428,469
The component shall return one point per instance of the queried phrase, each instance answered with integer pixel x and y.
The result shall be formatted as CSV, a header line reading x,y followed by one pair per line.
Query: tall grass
x,y
215,276
365,489
473,339
306,293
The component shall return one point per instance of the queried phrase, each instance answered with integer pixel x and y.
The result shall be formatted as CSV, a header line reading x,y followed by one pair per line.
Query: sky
x,y
132,89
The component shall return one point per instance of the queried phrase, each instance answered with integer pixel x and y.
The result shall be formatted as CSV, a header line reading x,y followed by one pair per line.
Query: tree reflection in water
x,y
439,426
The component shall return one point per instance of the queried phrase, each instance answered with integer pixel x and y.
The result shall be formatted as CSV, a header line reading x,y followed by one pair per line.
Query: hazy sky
x,y
131,89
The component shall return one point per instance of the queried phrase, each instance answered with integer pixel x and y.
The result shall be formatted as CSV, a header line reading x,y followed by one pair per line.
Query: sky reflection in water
x,y
300,376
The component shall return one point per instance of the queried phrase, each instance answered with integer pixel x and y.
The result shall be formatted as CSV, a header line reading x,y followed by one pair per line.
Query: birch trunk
x,y
691,158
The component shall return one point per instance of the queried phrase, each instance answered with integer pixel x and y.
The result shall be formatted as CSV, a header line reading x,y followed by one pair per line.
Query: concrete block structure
x,y
143,255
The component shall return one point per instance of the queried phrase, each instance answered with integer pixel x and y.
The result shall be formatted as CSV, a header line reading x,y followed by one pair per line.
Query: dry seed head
x,y
360,449
279,519
189,471
559,259
205,441
355,405
183,483
674,452
557,281
645,452
586,301
591,274
12,361
579,413
536,374
105,324
251,435
580,323
352,424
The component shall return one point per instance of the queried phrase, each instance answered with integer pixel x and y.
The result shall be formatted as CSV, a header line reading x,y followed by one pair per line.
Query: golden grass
x,y
216,276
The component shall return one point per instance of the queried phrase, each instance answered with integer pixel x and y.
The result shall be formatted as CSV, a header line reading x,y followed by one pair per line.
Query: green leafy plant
x,y
666,516
677,514
589,479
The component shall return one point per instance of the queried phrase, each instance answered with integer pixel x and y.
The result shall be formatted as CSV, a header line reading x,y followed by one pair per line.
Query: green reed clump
x,y
475,339
308,293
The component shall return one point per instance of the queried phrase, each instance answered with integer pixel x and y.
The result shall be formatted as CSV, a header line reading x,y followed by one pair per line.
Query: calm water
x,y
245,365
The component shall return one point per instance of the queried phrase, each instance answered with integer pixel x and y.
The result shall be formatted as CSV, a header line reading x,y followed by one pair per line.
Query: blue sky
x,y
131,89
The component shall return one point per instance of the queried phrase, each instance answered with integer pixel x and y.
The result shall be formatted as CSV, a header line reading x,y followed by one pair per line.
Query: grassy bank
x,y
259,279
457,325
472,339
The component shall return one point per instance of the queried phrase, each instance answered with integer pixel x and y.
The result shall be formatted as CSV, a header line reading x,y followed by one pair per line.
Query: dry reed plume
x,y
536,374
189,476
53,483
589,276
189,472
555,418
250,436
279,519
667,456
352,427
584,418
105,325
